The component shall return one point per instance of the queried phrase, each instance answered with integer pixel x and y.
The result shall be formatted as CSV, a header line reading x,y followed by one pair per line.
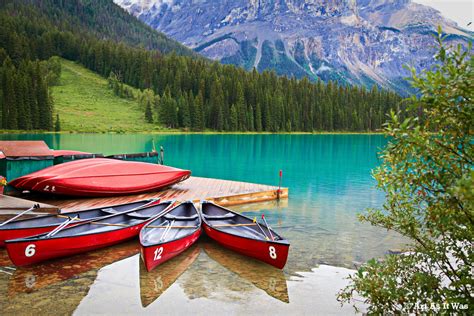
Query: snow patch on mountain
x,y
352,41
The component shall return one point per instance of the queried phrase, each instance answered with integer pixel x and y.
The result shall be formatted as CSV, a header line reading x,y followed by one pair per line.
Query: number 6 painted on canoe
x,y
272,251
30,250
158,253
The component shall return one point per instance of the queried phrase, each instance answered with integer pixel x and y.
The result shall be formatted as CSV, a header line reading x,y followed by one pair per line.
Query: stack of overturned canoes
x,y
100,177
166,229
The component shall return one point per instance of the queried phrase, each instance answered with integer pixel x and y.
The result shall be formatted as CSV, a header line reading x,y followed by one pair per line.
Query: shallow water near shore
x,y
329,184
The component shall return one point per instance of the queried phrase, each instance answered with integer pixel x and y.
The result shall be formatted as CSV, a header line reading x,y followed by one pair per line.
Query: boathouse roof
x,y
27,148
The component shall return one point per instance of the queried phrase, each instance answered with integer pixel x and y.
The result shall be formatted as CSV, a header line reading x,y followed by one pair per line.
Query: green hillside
x,y
85,103
180,92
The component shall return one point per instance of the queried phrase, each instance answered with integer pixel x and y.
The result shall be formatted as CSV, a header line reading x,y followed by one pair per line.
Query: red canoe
x,y
94,234
243,235
101,177
156,282
43,224
27,182
170,234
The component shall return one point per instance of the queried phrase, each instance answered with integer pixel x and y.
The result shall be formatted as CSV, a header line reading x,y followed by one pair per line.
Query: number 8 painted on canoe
x,y
158,253
30,250
273,253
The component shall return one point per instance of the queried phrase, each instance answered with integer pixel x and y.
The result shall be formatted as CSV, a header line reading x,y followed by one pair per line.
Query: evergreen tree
x,y
33,30
198,113
148,114
57,124
168,109
184,112
234,125
258,118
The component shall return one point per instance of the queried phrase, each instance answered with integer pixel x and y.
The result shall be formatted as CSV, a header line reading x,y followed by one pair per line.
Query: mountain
x,y
362,42
91,32
101,19
172,90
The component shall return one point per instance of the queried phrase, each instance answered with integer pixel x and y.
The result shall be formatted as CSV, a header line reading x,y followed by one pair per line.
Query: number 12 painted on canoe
x,y
158,253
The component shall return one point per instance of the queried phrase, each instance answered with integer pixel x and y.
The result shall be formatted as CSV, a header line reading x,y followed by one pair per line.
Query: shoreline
x,y
177,132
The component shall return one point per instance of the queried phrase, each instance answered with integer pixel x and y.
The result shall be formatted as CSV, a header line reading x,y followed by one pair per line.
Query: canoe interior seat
x,y
217,217
180,218
136,215
109,210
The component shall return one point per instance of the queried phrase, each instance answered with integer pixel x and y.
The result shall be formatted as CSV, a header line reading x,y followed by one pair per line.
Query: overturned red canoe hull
x,y
157,254
26,182
101,177
273,253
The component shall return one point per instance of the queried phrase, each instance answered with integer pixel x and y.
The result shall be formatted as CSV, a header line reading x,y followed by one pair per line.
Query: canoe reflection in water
x,y
265,277
34,278
157,281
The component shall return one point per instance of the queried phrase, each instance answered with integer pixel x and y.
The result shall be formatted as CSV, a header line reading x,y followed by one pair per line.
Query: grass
x,y
86,104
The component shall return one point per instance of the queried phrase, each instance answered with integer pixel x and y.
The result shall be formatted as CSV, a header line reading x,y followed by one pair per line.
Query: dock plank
x,y
224,192
9,203
10,206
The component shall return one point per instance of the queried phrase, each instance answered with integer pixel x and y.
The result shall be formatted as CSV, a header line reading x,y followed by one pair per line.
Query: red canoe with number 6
x,y
66,241
243,235
43,224
170,234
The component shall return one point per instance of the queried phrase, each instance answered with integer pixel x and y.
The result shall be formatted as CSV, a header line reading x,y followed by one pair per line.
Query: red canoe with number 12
x,y
170,234
243,235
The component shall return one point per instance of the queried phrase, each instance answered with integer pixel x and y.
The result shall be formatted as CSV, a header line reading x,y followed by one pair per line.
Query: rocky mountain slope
x,y
355,41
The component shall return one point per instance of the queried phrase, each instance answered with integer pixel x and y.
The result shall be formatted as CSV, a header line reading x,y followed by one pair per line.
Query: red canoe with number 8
x,y
170,234
244,235
94,234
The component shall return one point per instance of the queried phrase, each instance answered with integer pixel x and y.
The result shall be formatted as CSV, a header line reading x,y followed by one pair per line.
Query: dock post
x,y
162,155
279,186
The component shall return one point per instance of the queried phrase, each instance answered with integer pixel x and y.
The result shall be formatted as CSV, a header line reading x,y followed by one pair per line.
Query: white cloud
x,y
460,11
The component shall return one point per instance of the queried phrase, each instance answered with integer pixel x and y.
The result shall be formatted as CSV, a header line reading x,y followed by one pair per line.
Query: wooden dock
x,y
223,192
11,206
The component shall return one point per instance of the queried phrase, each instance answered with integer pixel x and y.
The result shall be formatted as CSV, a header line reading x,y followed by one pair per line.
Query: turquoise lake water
x,y
329,181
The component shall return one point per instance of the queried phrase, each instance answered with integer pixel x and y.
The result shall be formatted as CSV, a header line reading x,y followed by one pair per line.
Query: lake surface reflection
x,y
329,181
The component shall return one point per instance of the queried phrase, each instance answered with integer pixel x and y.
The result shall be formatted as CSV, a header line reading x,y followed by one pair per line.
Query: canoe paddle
x,y
255,221
60,227
268,227
19,215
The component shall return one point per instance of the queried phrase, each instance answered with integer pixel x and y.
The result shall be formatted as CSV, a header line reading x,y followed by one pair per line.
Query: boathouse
x,y
18,158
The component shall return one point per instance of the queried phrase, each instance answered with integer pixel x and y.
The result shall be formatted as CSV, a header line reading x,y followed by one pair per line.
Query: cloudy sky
x,y
461,11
